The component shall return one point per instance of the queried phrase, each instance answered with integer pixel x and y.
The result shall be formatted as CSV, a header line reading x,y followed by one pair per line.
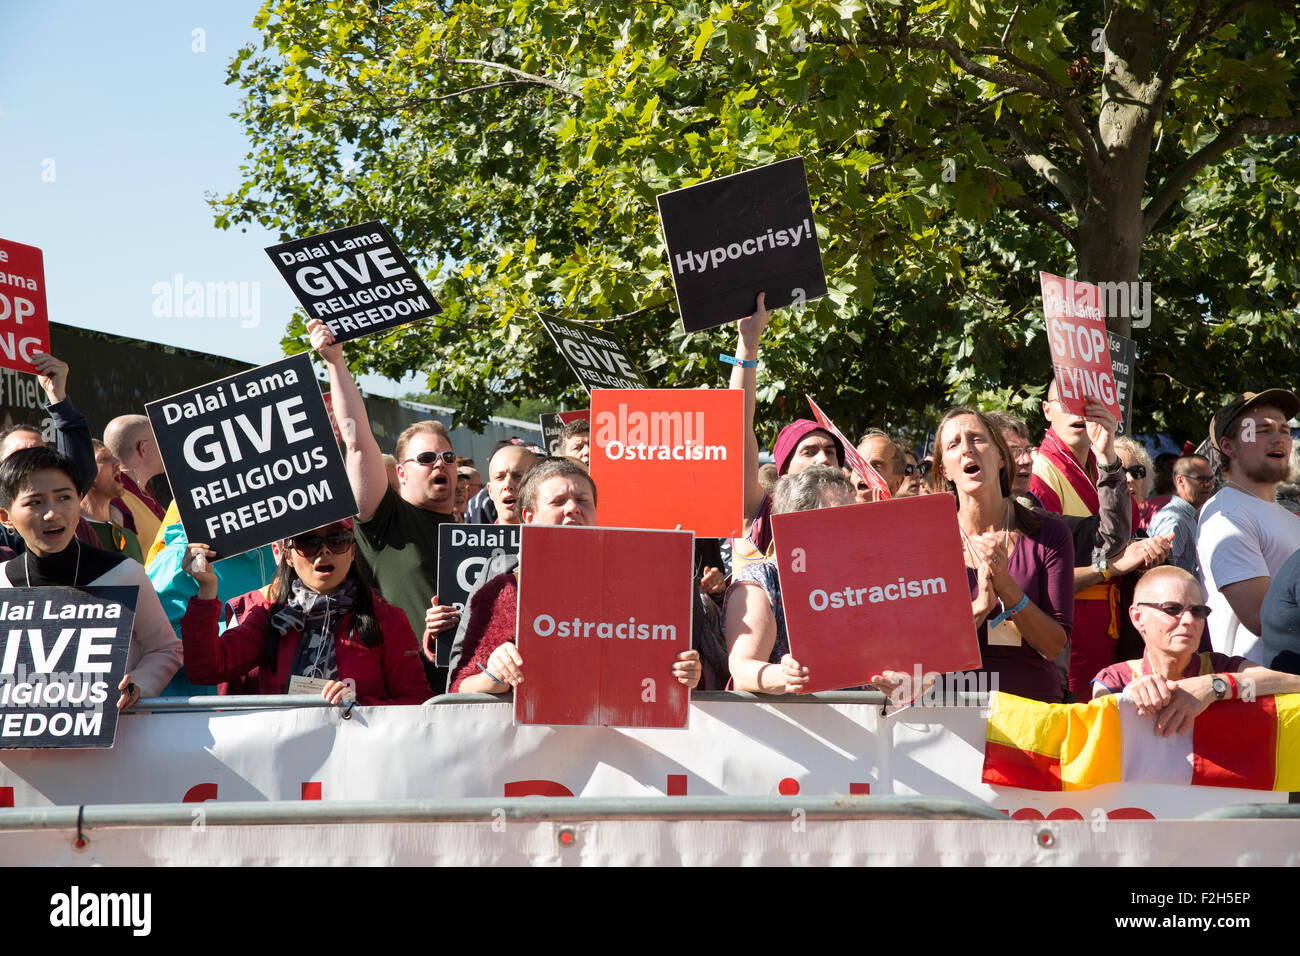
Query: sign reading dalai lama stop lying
x,y
603,614
875,587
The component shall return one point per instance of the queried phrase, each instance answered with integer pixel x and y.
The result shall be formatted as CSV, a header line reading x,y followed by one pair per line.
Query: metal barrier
x,y
486,810
163,705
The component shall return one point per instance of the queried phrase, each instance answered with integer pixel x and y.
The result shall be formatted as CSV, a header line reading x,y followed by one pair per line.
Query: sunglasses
x,y
428,458
310,545
1174,609
1137,472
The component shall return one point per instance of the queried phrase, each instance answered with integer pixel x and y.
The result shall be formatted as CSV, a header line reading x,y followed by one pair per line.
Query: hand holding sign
x,y
322,340
505,666
197,563
687,669
1101,426
52,374
439,618
130,693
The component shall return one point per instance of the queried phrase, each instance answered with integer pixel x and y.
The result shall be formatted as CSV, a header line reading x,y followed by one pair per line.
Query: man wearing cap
x,y
1244,535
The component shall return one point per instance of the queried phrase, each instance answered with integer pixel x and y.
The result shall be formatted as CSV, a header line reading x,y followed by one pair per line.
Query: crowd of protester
x,y
1091,569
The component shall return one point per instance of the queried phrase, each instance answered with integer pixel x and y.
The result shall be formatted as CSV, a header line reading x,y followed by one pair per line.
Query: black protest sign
x,y
463,552
596,357
355,280
731,238
551,427
64,654
252,458
1123,359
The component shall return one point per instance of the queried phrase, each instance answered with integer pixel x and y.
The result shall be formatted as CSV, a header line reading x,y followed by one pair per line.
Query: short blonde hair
x,y
1140,457
427,427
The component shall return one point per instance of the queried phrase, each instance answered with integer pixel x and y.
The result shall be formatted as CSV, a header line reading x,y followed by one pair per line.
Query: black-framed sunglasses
x,y
1137,472
309,546
428,458
1174,609
909,469
925,468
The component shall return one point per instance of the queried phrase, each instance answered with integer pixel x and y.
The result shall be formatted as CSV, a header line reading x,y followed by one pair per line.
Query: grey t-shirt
x,y
1279,616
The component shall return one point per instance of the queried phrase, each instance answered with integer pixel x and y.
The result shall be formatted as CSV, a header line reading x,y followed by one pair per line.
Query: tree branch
x,y
1042,214
1177,180
529,77
1032,80
1038,161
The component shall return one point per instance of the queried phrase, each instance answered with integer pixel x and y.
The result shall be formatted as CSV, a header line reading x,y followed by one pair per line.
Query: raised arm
x,y
364,460
748,332
71,433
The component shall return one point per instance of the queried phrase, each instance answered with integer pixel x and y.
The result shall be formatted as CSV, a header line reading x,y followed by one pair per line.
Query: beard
x,y
1269,470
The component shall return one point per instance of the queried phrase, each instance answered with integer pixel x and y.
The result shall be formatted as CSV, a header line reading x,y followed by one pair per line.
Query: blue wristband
x,y
490,674
1020,606
743,363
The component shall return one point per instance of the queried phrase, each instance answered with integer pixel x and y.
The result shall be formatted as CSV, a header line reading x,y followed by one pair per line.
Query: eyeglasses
x,y
909,470
1199,479
1137,472
925,468
311,545
428,458
1174,609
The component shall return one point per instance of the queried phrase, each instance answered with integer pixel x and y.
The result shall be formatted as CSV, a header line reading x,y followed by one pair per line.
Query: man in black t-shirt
x,y
397,532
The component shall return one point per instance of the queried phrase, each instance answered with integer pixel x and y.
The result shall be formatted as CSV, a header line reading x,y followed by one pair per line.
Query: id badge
x,y
1005,634
306,685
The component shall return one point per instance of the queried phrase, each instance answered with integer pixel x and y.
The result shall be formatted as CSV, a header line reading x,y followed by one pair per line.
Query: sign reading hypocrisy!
x,y
64,654
854,609
668,457
731,238
252,458
24,321
603,614
1076,335
355,280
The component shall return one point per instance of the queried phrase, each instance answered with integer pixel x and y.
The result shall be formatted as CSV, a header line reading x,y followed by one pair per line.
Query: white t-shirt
x,y
1241,537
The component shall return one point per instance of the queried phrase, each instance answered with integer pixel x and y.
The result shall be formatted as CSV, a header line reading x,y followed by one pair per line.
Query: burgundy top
x,y
491,624
1118,676
1043,566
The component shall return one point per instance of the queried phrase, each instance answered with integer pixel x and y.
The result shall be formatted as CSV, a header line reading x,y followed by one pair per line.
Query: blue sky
x,y
113,127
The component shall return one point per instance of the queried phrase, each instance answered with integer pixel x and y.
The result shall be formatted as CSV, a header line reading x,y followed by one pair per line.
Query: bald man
x,y
130,439
1171,680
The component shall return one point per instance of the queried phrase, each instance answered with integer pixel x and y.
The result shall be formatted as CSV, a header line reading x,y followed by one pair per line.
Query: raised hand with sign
x,y
744,376
52,374
1101,427
197,563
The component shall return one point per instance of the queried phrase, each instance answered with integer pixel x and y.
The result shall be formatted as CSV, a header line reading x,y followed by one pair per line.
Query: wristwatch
x,y
1103,567
1219,686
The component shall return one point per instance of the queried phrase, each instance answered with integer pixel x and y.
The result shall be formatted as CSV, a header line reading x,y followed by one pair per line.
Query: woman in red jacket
x,y
327,631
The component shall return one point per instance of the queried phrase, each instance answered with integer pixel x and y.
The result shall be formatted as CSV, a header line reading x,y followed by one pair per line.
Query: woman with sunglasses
x,y
327,631
1171,680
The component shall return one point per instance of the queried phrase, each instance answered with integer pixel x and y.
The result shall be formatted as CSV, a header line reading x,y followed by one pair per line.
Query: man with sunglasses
x,y
1171,681
1244,535
397,532
1193,486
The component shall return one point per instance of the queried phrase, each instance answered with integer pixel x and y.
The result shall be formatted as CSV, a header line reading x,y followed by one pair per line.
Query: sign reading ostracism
x,y
463,553
668,458
731,238
603,614
1076,336
596,357
854,609
1123,360
64,653
252,458
355,280
24,321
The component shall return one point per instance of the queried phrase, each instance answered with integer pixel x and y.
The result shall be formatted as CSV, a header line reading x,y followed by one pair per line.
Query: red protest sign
x,y
603,614
1076,335
573,416
858,464
667,457
24,321
874,587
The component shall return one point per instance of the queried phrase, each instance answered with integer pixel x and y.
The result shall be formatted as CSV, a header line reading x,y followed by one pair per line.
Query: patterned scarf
x,y
317,616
